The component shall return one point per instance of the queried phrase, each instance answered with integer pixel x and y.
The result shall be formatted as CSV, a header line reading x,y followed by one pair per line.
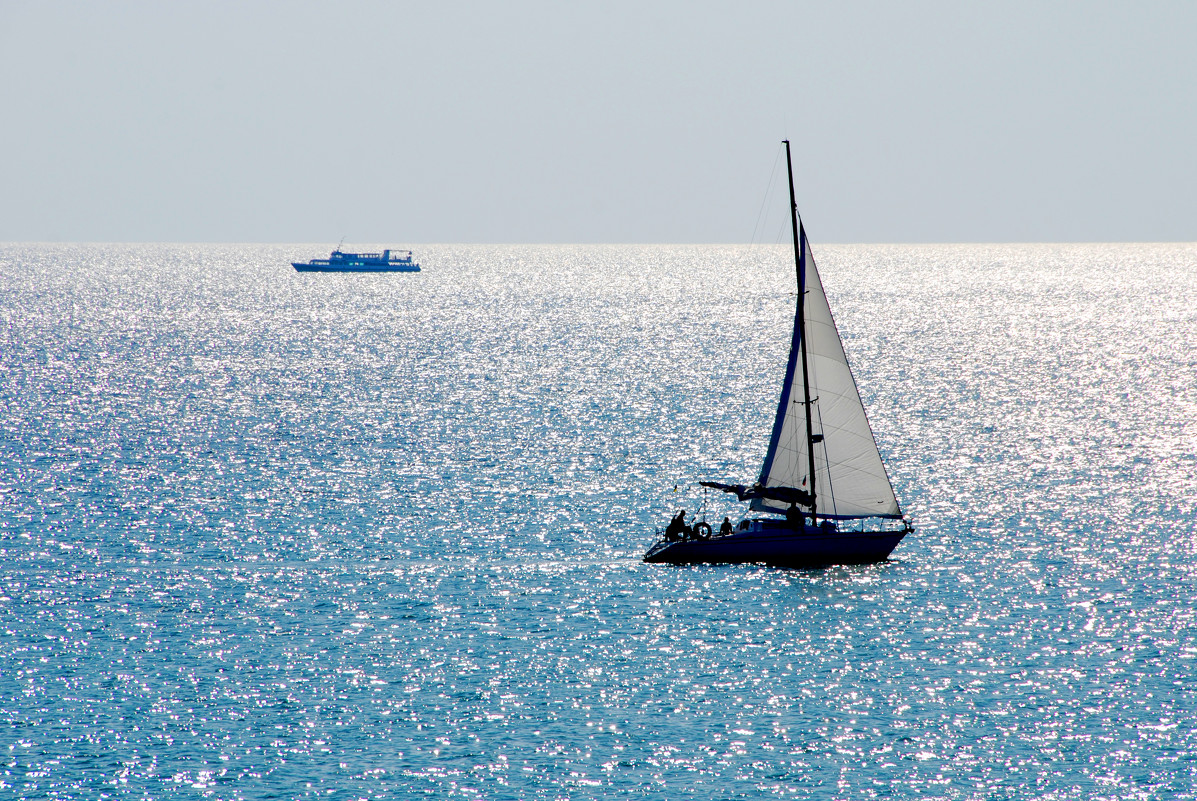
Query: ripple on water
x,y
269,534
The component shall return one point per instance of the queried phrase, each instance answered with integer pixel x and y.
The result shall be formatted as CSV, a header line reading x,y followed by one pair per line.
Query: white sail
x,y
850,479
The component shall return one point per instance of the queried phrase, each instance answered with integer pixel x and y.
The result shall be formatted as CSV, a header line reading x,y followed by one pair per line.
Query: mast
x,y
800,269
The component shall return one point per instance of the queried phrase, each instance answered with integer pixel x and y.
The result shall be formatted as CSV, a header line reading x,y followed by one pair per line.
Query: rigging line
x,y
830,491
765,199
783,233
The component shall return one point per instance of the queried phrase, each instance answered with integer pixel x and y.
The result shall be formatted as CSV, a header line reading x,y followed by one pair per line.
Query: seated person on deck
x,y
677,528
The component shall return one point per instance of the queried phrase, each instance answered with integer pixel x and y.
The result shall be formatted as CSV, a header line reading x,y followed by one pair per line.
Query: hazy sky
x,y
514,121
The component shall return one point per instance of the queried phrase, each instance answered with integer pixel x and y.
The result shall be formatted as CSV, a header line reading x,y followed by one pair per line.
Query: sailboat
x,y
823,477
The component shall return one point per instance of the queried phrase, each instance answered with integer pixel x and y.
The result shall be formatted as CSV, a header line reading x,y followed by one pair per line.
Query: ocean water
x,y
271,535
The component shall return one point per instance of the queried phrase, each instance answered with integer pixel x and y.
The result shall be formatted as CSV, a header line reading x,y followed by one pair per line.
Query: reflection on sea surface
x,y
376,536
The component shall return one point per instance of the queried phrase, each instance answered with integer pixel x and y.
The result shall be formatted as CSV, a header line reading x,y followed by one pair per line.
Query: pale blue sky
x,y
596,122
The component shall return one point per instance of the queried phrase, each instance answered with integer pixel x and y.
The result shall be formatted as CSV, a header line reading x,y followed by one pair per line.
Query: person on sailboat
x,y
677,528
726,528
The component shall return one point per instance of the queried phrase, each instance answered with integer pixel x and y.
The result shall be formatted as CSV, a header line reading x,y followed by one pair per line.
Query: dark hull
x,y
777,544
305,267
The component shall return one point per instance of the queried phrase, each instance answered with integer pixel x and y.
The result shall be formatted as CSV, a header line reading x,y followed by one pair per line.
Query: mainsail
x,y
850,479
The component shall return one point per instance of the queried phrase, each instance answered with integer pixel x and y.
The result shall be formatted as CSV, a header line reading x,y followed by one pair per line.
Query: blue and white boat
x,y
389,261
822,472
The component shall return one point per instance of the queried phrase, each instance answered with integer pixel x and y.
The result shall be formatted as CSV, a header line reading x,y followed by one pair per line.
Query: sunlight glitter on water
x,y
266,533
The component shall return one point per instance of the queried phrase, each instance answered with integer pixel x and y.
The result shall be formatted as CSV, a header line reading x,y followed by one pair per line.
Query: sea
x,y
271,535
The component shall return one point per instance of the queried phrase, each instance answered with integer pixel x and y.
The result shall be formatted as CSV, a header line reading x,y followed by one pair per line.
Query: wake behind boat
x,y
822,471
389,261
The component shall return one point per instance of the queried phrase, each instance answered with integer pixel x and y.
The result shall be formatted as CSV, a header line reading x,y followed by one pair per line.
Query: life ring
x,y
699,528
